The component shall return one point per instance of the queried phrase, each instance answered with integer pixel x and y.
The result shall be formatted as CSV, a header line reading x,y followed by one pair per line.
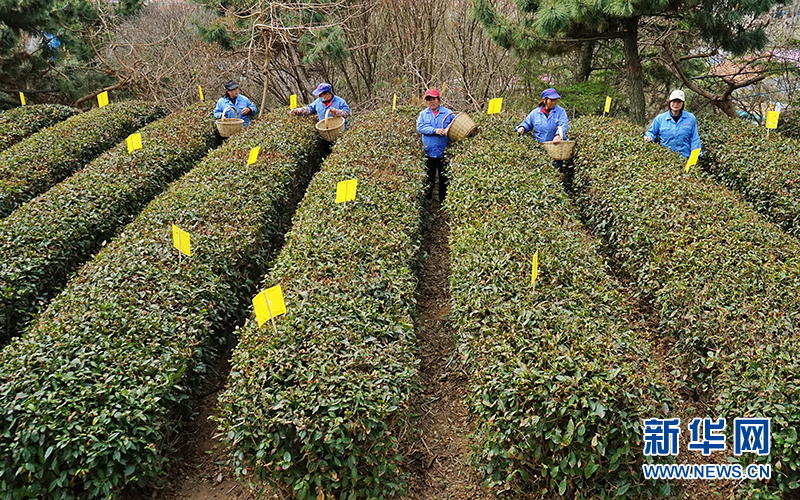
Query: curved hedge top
x,y
18,123
88,393
559,382
318,405
765,170
32,166
46,239
725,283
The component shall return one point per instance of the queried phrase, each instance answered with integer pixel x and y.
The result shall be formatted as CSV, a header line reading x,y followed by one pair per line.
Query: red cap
x,y
432,93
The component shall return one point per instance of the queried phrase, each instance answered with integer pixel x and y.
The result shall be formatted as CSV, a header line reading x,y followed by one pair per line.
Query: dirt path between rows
x,y
438,456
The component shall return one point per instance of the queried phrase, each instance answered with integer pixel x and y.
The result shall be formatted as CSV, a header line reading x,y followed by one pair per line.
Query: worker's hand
x,y
647,138
334,112
521,130
246,111
293,111
441,131
556,139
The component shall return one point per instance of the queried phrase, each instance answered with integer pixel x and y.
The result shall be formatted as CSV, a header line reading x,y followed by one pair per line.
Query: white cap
x,y
677,94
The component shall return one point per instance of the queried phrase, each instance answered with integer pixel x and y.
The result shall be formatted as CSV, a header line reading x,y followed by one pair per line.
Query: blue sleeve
x,y
343,106
562,121
696,138
527,123
448,119
218,109
423,127
652,132
249,104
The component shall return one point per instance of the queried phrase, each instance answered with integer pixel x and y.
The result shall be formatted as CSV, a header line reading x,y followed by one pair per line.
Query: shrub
x,y
18,123
46,158
764,170
92,390
45,240
316,407
725,283
559,383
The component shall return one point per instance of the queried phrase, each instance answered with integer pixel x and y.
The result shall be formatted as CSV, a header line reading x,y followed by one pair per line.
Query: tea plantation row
x,y
724,283
316,407
44,241
18,123
34,165
89,394
560,383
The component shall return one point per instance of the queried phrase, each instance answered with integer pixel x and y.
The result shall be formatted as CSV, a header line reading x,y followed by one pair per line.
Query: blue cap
x,y
550,94
323,87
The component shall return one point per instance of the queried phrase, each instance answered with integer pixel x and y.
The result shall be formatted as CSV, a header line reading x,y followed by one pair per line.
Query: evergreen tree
x,y
720,23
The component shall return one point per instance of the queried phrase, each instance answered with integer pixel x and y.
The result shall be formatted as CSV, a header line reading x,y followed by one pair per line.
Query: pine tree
x,y
718,23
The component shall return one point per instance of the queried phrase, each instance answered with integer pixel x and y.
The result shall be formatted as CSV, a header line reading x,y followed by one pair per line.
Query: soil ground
x,y
438,457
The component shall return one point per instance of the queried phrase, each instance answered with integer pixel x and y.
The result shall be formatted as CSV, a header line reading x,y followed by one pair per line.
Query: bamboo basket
x,y
331,127
228,127
461,127
560,151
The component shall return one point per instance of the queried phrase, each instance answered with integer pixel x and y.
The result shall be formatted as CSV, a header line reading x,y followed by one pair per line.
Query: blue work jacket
x,y
427,123
544,126
681,137
241,102
320,108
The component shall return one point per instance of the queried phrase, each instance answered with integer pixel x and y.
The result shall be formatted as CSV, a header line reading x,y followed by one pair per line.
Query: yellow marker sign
x,y
253,155
269,304
201,93
134,142
394,102
292,101
181,240
693,159
535,270
608,104
495,106
346,190
22,98
102,99
772,119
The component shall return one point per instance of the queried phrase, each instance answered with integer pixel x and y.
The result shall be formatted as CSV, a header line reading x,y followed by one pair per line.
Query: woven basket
x,y
560,151
461,127
228,127
331,127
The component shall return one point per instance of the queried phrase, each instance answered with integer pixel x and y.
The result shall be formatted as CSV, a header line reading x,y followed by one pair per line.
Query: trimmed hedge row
x,y
89,394
18,123
725,284
560,384
34,165
316,408
765,170
45,240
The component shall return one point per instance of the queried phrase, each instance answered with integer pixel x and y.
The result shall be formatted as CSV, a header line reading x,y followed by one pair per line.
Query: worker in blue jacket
x,y
676,128
232,99
326,102
432,123
548,121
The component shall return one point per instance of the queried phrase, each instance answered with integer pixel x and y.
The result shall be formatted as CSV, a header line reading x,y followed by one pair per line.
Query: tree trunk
x,y
587,53
267,50
726,105
634,64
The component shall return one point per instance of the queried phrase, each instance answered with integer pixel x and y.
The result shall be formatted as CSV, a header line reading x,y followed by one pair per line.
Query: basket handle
x,y
447,130
327,113
234,110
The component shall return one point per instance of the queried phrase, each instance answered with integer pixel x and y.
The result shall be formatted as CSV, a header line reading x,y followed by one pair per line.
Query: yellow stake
x,y
201,93
22,98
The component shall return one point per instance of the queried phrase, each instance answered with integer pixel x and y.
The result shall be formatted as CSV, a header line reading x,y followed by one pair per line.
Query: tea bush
x,y
45,240
765,170
90,392
34,165
316,407
18,123
560,383
725,283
